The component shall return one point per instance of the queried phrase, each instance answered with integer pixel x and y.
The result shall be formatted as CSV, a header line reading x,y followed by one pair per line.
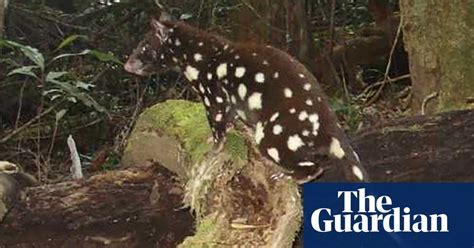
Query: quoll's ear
x,y
161,31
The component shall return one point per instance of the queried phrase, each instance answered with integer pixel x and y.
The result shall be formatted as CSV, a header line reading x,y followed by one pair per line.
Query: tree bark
x,y
438,37
3,8
135,207
234,200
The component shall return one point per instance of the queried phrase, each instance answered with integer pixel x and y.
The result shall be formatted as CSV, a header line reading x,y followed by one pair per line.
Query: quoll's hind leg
x,y
250,136
306,174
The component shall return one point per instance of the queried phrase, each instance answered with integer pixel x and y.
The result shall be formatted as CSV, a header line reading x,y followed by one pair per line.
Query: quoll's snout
x,y
134,66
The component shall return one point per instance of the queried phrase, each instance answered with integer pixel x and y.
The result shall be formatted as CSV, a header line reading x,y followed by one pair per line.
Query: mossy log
x,y
231,195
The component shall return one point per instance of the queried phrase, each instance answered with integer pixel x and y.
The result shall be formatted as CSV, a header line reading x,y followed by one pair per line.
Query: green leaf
x,y
186,16
65,55
32,53
72,91
104,57
68,40
82,85
53,76
24,70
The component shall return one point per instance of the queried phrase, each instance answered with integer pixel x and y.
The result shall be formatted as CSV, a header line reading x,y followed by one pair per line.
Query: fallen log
x,y
231,195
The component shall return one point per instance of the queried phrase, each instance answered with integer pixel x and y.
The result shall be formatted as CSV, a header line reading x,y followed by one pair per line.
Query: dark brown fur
x,y
302,141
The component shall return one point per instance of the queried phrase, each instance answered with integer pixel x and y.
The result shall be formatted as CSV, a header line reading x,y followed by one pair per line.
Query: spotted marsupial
x,y
264,87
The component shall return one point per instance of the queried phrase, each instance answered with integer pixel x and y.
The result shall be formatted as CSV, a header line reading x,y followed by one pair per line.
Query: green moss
x,y
412,128
236,146
208,231
185,120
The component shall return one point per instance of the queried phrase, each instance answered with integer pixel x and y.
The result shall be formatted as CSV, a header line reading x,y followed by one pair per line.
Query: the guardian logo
x,y
363,213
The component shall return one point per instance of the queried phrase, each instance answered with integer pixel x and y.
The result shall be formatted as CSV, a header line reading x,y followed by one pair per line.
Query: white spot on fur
x,y
200,44
277,129
274,116
301,75
255,101
241,114
292,110
307,86
259,77
201,88
254,54
259,134
306,163
356,156
233,99
276,75
288,93
309,102
239,72
197,57
358,172
226,46
209,76
319,99
265,62
305,133
242,90
335,149
273,153
302,116
314,119
206,101
221,70
219,99
177,42
294,142
219,117
237,57
191,73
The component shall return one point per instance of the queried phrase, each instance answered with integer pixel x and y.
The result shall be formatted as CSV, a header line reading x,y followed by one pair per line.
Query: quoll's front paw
x,y
279,175
216,148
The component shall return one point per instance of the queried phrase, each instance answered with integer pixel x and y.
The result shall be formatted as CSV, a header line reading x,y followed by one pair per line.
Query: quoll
x,y
264,87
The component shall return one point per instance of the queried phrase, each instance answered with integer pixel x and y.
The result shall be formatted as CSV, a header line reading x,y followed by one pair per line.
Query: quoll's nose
x,y
134,66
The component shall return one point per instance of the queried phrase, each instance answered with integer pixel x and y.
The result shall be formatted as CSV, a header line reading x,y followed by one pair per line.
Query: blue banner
x,y
388,215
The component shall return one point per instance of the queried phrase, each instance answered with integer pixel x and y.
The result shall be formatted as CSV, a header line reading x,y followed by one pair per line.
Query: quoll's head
x,y
153,53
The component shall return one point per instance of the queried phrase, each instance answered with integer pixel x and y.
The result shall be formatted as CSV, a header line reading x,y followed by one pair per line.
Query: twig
x,y
255,12
331,27
426,100
76,167
389,80
20,104
36,118
125,134
344,84
389,63
53,140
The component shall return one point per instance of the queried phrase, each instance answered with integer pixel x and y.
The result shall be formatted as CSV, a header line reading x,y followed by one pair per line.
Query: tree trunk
x,y
438,36
3,8
300,43
135,207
